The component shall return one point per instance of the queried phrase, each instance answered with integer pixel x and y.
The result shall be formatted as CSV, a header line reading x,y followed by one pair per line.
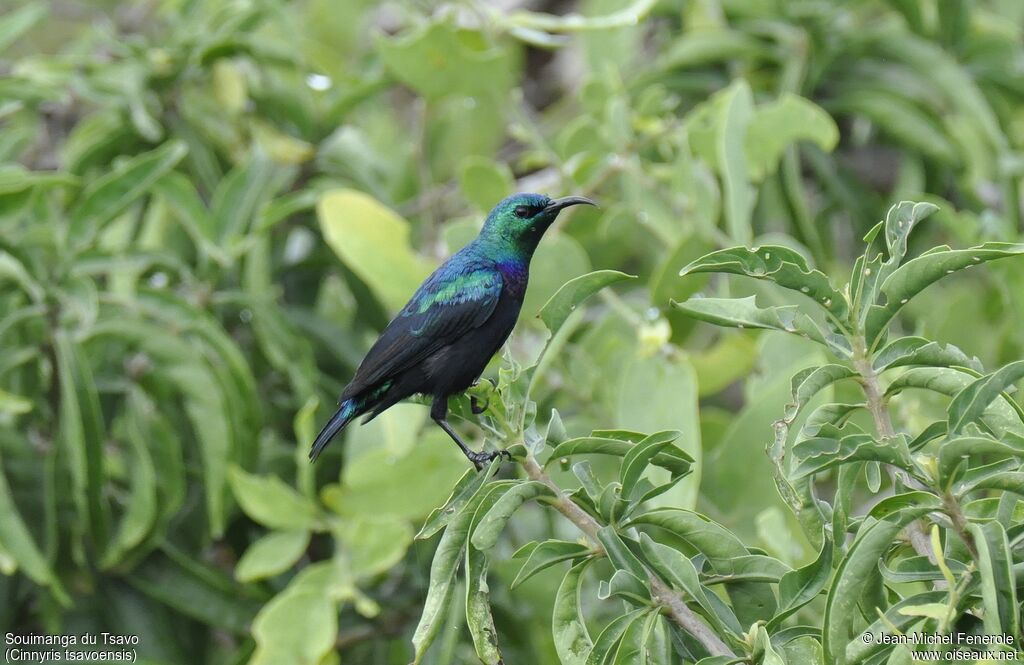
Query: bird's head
x,y
521,219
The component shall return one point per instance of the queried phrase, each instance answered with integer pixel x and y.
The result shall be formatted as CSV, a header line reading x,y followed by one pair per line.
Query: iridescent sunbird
x,y
440,342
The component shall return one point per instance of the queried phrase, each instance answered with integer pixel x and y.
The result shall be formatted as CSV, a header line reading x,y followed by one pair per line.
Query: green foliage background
x,y
208,208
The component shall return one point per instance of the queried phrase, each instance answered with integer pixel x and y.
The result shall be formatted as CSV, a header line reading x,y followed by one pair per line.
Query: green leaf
x,y
915,275
969,405
809,382
913,126
737,109
859,651
19,545
900,221
14,270
744,313
239,197
918,351
568,628
860,561
801,586
575,291
464,490
937,611
763,644
267,500
676,568
635,646
203,395
659,393
751,601
373,242
832,413
19,21
619,554
639,456
547,554
478,609
444,568
624,585
295,628
378,483
441,58
674,459
493,523
271,555
780,123
610,637
188,208
141,512
1000,416
954,450
375,543
197,590
749,567
110,195
998,585
782,265
484,182
81,438
816,454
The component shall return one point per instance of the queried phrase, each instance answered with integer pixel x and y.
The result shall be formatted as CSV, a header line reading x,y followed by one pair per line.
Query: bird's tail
x,y
347,410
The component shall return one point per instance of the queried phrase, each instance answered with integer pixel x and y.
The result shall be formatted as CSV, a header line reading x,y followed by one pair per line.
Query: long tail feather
x,y
347,410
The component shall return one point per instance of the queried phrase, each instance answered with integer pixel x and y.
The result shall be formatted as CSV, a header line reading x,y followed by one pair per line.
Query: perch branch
x,y
663,594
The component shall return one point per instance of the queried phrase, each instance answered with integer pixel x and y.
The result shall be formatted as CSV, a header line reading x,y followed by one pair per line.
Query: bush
x,y
209,208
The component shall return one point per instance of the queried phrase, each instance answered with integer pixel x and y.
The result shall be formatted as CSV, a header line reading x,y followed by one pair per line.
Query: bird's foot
x,y
477,405
481,459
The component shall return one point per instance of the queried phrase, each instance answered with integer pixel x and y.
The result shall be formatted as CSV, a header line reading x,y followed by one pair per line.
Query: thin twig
x,y
660,592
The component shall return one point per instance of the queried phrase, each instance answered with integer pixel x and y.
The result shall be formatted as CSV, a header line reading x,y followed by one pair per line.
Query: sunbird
x,y
441,341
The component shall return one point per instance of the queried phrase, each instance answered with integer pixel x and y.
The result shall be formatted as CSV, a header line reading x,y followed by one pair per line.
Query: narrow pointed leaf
x,y
782,265
744,313
970,404
493,523
572,640
918,351
556,310
917,274
998,586
547,554
478,609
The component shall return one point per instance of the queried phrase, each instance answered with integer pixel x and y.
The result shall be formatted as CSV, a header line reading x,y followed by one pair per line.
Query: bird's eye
x,y
522,212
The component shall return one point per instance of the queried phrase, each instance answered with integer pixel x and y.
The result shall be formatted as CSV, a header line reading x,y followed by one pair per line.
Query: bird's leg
x,y
439,414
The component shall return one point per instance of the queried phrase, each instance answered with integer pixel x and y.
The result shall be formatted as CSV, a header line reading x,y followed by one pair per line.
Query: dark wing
x,y
449,304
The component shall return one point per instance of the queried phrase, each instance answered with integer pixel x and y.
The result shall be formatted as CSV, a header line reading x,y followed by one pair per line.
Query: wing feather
x,y
450,303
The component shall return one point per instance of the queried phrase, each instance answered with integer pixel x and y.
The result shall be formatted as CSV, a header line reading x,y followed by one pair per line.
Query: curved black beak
x,y
566,201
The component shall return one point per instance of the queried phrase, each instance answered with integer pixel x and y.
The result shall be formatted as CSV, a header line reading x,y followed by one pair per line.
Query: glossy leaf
x,y
917,274
572,640
744,313
547,554
575,291
493,522
782,265
998,585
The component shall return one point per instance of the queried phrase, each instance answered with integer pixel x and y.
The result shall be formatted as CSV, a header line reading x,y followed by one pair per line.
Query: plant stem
x,y
883,425
662,593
